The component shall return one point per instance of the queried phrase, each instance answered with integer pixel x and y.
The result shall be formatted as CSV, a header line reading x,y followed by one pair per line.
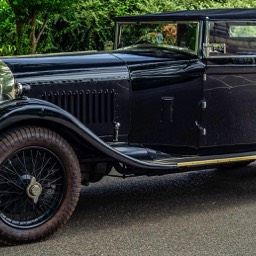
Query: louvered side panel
x,y
89,106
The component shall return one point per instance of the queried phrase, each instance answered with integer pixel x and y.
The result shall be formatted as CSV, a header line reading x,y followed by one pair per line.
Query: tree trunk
x,y
33,33
35,38
19,29
20,23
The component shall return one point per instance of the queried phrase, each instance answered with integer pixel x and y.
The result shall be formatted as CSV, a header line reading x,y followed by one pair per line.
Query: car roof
x,y
212,14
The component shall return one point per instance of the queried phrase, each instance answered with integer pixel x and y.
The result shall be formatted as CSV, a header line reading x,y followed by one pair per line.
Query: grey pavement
x,y
209,212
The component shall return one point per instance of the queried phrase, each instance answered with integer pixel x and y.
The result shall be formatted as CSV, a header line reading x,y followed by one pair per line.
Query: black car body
x,y
178,92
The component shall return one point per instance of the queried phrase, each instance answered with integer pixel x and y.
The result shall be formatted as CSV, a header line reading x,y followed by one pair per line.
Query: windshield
x,y
171,36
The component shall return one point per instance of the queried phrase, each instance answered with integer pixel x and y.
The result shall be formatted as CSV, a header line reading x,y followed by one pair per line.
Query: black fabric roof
x,y
213,14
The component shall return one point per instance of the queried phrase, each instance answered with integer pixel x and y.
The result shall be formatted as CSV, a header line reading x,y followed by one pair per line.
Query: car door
x,y
230,87
166,97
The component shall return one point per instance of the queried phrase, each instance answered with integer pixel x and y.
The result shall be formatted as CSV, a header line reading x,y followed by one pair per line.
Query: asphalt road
x,y
198,213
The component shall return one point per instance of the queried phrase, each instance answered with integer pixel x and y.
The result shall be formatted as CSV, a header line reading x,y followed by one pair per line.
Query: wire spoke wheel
x,y
39,184
24,205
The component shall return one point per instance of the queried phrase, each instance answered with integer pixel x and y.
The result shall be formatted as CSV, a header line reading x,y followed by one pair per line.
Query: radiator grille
x,y
89,106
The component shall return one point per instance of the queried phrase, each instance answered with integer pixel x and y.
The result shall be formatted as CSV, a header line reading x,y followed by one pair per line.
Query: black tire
x,y
39,184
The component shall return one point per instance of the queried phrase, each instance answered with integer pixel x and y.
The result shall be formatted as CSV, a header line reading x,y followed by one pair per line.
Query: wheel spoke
x,y
50,182
44,204
20,162
11,201
8,170
4,192
10,181
24,161
42,169
26,209
34,207
50,172
17,207
34,163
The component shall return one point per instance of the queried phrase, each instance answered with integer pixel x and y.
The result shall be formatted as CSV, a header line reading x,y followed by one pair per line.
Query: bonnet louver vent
x,y
88,106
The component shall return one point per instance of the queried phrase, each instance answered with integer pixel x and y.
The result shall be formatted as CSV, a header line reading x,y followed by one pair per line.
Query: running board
x,y
199,161
149,159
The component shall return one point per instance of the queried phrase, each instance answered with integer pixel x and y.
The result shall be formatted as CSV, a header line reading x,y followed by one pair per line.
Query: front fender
x,y
22,110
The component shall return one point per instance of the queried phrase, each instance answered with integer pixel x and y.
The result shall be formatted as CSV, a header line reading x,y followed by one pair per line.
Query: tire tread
x,y
27,136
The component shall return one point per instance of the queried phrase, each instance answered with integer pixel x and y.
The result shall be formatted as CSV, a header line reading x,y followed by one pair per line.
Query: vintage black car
x,y
177,93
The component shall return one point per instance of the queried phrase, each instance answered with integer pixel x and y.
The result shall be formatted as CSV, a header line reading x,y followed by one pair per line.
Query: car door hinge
x,y
201,129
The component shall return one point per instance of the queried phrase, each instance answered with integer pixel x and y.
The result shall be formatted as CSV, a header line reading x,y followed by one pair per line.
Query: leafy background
x,y
44,26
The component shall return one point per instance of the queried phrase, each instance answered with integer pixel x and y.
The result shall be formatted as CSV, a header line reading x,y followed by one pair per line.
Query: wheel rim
x,y
32,186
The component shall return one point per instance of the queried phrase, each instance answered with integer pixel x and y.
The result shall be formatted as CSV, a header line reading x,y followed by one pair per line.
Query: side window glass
x,y
177,36
231,38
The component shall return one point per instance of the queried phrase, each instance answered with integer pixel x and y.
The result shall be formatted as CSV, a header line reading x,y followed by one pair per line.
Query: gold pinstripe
x,y
210,161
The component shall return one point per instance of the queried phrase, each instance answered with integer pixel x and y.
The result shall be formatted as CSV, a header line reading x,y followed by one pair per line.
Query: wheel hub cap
x,y
34,190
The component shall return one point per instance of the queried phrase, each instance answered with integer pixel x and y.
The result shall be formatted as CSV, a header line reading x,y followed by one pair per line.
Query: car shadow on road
x,y
126,202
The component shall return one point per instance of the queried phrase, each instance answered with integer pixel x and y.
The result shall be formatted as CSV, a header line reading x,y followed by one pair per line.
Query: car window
x,y
179,36
231,38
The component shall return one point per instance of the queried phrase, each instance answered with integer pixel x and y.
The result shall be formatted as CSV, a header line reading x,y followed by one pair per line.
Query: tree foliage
x,y
31,18
29,26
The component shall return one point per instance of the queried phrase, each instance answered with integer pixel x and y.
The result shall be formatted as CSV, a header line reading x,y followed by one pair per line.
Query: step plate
x,y
207,160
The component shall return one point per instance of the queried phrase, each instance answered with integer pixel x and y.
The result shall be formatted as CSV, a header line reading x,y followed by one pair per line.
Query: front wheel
x,y
39,184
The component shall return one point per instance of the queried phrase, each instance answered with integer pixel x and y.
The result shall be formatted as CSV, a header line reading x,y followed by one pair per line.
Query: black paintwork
x,y
167,105
140,84
153,80
95,88
230,92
